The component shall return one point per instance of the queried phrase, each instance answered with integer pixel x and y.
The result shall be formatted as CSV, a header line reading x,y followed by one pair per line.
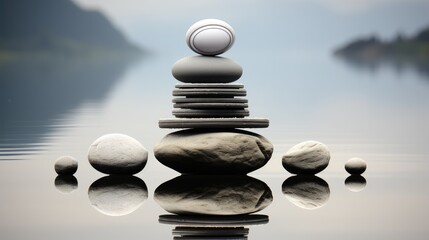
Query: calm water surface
x,y
50,109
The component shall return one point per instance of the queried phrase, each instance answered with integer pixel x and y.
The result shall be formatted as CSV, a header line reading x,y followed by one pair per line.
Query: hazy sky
x,y
315,25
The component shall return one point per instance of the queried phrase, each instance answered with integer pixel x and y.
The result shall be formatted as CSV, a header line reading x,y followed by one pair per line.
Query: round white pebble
x,y
355,166
65,165
210,37
117,154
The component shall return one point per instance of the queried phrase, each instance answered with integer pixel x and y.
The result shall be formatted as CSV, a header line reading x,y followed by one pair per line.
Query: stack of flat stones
x,y
207,96
211,106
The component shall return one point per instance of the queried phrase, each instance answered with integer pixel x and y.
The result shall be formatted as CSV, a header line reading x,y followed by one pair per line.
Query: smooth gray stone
x,y
210,113
210,92
209,100
308,157
66,165
66,183
306,191
211,105
210,85
117,195
355,166
205,69
213,195
355,183
213,123
214,220
117,154
210,151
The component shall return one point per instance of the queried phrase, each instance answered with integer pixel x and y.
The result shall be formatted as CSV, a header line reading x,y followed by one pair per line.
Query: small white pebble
x,y
355,166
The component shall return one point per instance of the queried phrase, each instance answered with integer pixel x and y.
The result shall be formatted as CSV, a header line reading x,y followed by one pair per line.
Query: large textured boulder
x,y
214,152
306,191
308,157
213,195
117,195
117,154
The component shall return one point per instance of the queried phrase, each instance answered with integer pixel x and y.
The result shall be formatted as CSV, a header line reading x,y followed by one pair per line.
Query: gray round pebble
x,y
203,69
66,165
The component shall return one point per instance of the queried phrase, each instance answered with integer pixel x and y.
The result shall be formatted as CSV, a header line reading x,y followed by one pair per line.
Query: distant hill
x,y
57,27
371,48
402,51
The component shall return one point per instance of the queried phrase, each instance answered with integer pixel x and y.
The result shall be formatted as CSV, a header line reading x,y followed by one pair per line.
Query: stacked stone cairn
x,y
211,108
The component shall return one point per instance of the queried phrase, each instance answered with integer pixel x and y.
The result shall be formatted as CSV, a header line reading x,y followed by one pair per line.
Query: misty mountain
x,y
57,26
371,48
401,52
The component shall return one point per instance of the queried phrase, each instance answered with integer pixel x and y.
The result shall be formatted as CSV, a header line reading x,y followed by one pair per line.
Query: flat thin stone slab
x,y
206,69
211,113
209,85
213,123
209,100
209,92
210,231
211,105
207,220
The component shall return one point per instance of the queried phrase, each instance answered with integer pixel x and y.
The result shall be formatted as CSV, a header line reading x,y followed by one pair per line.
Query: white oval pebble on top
x,y
65,165
210,37
355,166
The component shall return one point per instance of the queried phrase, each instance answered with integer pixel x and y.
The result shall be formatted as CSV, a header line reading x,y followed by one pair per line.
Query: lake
x,y
380,114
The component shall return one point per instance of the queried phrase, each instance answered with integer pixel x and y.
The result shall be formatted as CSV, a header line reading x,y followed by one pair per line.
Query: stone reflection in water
x,y
213,195
66,183
355,183
117,195
212,227
308,192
